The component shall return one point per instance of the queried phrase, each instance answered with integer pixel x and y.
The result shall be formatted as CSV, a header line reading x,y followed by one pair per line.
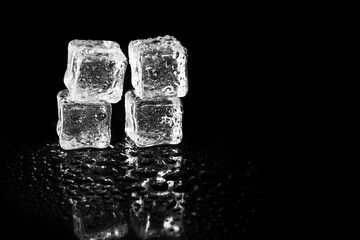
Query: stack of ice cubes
x,y
153,108
94,79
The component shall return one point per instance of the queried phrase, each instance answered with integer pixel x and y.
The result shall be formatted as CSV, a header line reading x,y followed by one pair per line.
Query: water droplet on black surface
x,y
137,188
104,181
146,173
75,171
153,196
85,166
171,204
169,161
182,187
109,171
100,191
147,155
90,160
146,162
173,176
192,180
133,153
159,186
83,180
106,163
75,163
126,179
68,182
114,191
118,198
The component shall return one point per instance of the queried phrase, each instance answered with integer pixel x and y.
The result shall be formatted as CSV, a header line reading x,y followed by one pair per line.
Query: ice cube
x,y
155,121
83,124
95,70
158,67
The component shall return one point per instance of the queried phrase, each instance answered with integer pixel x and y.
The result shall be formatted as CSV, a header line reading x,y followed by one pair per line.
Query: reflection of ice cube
x,y
101,222
154,121
160,221
95,70
83,125
158,67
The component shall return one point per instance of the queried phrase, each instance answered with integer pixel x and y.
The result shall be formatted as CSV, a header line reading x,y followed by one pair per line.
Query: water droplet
x,y
106,163
171,204
147,155
182,188
85,166
109,171
146,173
137,188
133,153
173,176
100,191
153,74
68,175
126,179
146,162
202,173
75,162
83,180
118,198
165,154
73,186
153,196
75,170
114,191
104,181
100,116
159,186
169,161
114,156
90,161
192,180
67,182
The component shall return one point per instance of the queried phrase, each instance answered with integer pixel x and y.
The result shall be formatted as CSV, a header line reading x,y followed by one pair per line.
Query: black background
x,y
274,72
266,66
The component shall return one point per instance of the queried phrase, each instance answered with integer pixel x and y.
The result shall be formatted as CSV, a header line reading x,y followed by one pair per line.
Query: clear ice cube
x,y
158,67
83,124
95,70
156,121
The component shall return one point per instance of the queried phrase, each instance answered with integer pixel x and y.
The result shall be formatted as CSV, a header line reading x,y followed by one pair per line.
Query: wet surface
x,y
203,188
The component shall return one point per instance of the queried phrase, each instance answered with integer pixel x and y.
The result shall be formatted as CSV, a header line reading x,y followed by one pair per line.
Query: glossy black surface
x,y
268,136
254,186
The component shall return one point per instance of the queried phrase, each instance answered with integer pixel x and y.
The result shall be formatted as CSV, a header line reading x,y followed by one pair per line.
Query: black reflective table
x,y
216,184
